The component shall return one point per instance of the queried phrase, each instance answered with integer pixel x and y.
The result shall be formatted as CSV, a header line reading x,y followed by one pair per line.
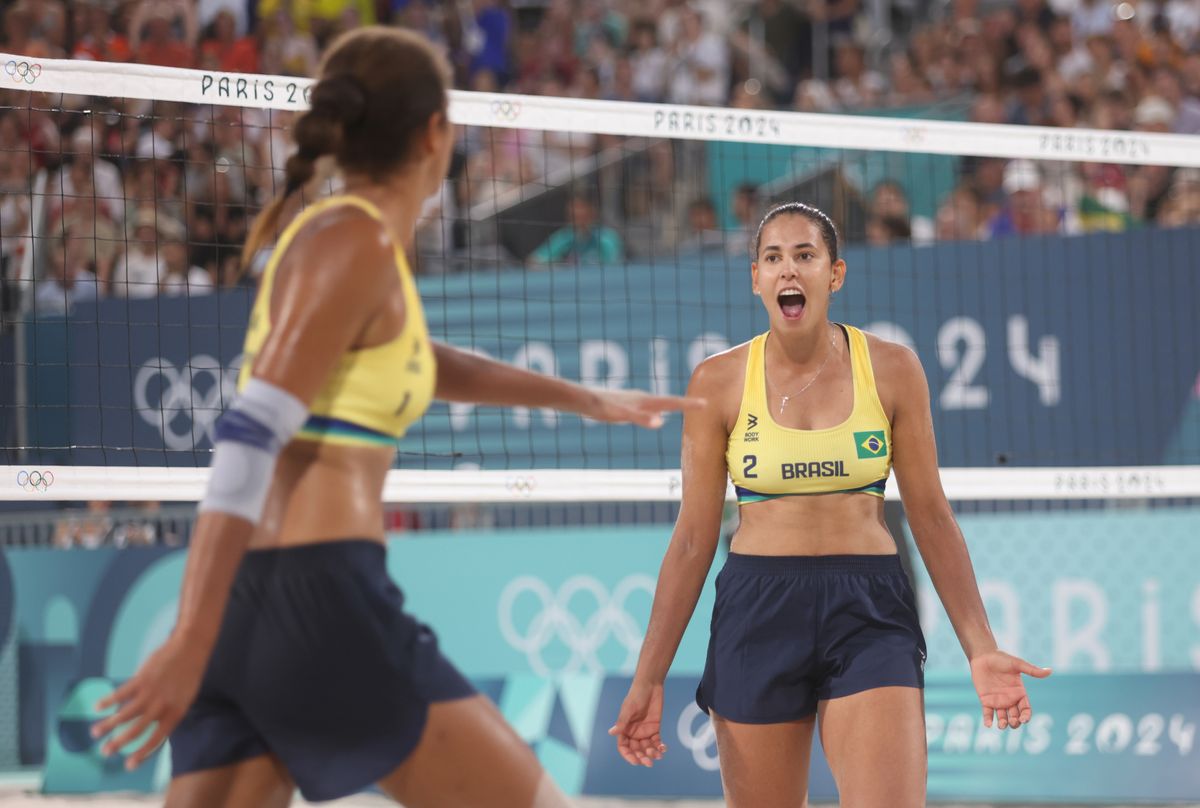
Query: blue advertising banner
x,y
549,622
1046,351
1092,591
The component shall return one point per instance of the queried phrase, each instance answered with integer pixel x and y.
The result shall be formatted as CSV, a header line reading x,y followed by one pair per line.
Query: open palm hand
x,y
997,679
639,725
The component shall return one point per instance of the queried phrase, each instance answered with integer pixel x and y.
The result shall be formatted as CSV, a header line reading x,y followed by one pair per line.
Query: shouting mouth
x,y
791,303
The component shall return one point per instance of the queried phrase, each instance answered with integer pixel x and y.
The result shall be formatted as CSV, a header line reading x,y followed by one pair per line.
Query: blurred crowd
x,y
154,198
135,524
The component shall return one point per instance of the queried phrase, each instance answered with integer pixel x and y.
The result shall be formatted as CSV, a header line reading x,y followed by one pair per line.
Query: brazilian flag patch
x,y
870,444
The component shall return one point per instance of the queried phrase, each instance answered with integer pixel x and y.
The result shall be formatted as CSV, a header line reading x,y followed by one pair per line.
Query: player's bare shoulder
x,y
899,375
720,379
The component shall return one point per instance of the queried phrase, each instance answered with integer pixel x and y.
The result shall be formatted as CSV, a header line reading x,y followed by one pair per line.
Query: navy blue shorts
x,y
789,631
317,663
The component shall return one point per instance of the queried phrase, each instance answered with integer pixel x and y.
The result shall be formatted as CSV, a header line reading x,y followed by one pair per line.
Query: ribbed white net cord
x,y
120,483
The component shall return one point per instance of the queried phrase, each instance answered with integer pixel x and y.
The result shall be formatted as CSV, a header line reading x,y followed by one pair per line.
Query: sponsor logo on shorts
x,y
870,444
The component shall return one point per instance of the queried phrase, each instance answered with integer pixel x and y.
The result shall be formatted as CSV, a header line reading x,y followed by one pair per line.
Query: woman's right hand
x,y
637,407
638,724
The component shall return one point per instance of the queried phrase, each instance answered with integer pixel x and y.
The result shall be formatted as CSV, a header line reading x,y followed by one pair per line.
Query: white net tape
x,y
55,483
115,80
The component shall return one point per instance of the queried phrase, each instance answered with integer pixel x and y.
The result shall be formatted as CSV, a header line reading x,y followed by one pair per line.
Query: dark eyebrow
x,y
801,246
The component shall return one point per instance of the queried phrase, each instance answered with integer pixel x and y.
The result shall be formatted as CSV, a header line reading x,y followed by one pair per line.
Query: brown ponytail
x,y
377,88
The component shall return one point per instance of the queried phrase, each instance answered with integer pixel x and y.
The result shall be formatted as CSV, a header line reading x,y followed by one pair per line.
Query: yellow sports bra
x,y
374,393
767,461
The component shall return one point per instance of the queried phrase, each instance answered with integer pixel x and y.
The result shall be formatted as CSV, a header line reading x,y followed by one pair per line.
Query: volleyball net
x,y
1046,277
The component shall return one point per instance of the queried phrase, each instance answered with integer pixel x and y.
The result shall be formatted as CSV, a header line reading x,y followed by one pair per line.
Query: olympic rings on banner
x,y
35,480
579,619
506,110
522,485
700,739
23,71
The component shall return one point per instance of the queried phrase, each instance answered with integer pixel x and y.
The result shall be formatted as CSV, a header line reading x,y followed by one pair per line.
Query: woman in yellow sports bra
x,y
293,663
814,617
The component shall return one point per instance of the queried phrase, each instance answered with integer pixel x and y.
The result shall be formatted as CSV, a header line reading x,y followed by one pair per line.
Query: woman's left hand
x,y
159,694
637,407
997,679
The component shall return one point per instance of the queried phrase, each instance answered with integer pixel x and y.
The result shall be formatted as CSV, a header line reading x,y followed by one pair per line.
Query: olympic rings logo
x,y
35,480
506,110
23,71
521,486
170,400
701,739
561,619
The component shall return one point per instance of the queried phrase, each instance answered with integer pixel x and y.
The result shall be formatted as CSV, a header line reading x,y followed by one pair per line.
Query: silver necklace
x,y
784,399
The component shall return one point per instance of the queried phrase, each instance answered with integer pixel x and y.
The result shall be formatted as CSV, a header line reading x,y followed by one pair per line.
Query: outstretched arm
x,y
469,377
684,568
997,675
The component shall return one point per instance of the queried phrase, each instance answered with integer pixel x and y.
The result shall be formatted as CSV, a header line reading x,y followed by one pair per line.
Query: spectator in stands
x,y
908,86
89,175
838,16
1104,202
699,70
885,230
1168,85
854,87
959,217
153,37
889,206
703,233
139,272
16,197
622,87
287,49
96,38
88,530
787,34
747,211
231,234
584,239
203,250
179,276
1182,205
489,39
68,279
650,63
1092,17
1025,211
49,28
223,49
1029,106
208,10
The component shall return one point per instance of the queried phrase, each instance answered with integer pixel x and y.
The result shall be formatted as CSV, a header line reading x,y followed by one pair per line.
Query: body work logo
x,y
751,423
870,444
